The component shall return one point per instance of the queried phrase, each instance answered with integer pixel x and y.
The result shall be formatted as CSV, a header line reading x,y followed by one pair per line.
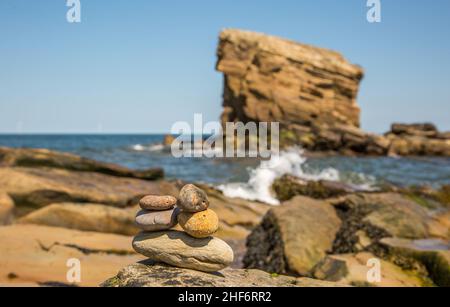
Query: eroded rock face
x,y
272,79
150,274
293,237
87,217
28,157
312,93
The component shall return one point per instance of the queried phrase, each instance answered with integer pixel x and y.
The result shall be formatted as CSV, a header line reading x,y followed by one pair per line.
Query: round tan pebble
x,y
158,203
199,224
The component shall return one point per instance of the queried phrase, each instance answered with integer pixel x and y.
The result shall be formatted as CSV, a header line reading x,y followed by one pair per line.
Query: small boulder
x,y
293,237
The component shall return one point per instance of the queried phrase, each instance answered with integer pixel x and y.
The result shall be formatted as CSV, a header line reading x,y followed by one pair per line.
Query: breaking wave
x,y
151,147
291,161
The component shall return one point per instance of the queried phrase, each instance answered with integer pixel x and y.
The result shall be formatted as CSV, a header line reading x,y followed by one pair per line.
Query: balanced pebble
x,y
193,199
200,224
157,220
155,202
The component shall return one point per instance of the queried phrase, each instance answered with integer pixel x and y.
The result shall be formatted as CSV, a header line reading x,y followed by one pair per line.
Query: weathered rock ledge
x,y
150,274
29,157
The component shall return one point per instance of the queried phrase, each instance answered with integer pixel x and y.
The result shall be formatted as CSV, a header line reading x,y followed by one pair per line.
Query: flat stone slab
x,y
150,274
179,249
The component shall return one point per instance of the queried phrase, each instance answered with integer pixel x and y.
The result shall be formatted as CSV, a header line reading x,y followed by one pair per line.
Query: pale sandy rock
x,y
87,217
6,209
34,254
179,249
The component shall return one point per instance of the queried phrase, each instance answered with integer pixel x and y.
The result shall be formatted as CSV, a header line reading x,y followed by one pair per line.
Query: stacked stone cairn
x,y
193,248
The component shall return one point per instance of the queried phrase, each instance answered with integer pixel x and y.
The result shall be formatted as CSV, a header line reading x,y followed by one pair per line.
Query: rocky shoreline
x,y
321,235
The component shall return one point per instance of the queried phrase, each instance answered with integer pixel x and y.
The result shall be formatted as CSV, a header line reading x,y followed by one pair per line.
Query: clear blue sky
x,y
138,66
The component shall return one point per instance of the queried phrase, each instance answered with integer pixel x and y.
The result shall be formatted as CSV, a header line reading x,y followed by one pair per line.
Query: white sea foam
x,y
291,162
151,147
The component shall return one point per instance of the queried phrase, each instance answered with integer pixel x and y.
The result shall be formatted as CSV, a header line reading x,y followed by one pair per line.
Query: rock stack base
x,y
193,248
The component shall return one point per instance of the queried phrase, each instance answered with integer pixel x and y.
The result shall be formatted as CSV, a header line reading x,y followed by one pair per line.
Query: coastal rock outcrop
x,y
312,93
40,186
293,237
273,79
418,140
29,157
150,274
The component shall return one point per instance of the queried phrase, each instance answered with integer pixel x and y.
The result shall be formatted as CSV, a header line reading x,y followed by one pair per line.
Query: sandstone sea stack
x,y
312,92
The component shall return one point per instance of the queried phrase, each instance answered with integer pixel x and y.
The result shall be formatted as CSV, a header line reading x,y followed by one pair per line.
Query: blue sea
x,y
247,177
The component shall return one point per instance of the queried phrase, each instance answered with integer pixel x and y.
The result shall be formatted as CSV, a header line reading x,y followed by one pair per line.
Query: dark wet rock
x,y
434,254
352,269
151,274
27,157
289,186
383,215
293,237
